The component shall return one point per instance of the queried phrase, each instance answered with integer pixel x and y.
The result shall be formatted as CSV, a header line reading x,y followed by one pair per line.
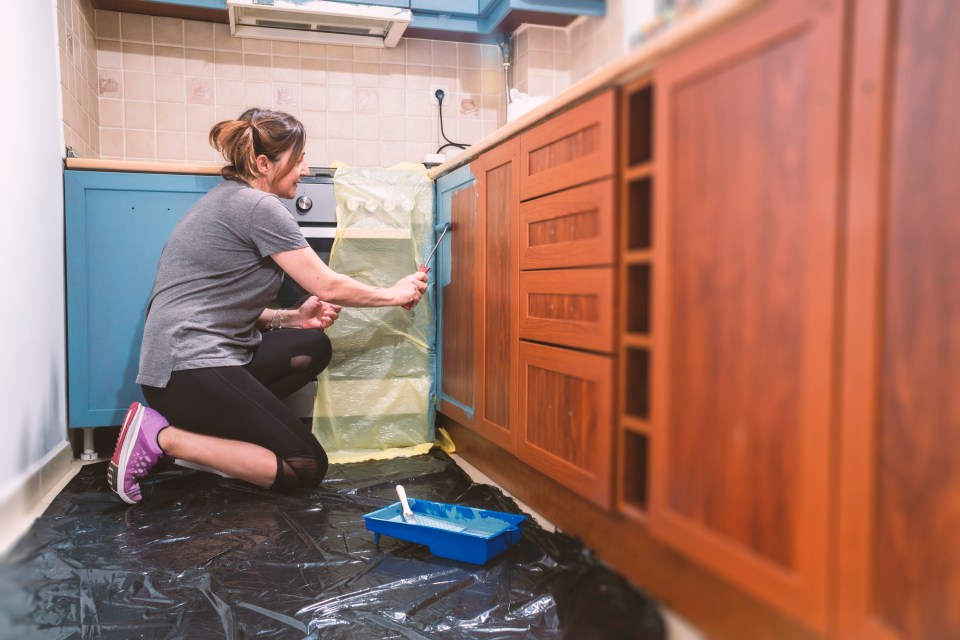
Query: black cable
x,y
450,143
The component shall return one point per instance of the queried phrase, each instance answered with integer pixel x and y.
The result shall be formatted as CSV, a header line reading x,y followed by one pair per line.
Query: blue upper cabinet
x,y
199,4
486,20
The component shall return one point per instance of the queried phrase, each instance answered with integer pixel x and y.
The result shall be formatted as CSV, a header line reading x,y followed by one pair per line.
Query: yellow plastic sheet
x,y
375,398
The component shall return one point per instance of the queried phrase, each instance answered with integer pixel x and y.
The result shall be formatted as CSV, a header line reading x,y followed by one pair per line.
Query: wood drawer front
x,y
566,428
570,149
573,228
570,307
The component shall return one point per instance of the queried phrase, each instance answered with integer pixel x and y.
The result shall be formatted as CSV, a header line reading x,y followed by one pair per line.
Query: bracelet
x,y
277,320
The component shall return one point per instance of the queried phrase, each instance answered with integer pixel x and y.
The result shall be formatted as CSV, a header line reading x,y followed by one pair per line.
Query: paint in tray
x,y
450,531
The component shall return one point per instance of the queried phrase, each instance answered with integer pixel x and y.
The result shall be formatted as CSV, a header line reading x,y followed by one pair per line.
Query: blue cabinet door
x,y
456,278
116,226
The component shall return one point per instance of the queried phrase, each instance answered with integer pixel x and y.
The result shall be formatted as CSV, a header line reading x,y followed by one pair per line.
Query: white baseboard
x,y
22,503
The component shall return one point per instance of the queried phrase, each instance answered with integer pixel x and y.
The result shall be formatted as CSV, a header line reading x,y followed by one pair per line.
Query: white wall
x,y
32,350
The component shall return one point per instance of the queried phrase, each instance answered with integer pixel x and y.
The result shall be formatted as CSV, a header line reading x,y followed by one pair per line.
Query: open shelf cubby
x,y
639,251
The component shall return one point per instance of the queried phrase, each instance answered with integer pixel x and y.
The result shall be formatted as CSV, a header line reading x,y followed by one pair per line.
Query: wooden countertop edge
x,y
134,166
619,72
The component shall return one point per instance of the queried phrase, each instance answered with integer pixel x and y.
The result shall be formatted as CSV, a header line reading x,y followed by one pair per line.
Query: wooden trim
x,y
862,330
637,172
636,340
135,166
635,425
637,256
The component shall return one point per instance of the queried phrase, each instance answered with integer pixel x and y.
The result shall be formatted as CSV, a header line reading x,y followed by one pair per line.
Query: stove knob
x,y
304,204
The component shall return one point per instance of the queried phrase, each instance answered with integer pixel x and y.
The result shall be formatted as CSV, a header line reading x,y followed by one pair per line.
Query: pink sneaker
x,y
137,451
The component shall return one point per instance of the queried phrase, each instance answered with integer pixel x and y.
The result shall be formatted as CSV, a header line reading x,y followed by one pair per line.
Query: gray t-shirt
x,y
214,278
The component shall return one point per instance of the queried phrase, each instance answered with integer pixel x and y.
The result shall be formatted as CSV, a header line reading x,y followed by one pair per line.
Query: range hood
x,y
319,21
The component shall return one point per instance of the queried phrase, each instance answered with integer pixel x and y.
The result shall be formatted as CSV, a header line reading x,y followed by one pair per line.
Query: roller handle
x,y
407,511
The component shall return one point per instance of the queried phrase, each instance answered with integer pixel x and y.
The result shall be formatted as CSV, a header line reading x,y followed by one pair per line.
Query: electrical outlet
x,y
432,94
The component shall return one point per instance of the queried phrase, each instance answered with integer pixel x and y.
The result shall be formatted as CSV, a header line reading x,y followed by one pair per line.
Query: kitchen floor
x,y
677,627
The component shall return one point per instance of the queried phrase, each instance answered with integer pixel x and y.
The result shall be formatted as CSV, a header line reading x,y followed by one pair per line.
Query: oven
x,y
315,209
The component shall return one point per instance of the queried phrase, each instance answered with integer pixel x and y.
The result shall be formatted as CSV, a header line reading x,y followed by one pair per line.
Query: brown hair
x,y
256,132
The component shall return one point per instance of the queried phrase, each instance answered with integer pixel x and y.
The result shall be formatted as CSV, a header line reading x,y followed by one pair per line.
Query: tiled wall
x,y
547,60
77,45
150,88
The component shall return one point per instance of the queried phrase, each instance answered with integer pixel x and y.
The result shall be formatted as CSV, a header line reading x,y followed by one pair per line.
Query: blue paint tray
x,y
451,531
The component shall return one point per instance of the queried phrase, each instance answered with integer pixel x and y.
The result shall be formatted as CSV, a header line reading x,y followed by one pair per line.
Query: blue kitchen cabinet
x,y
201,4
116,227
456,273
485,20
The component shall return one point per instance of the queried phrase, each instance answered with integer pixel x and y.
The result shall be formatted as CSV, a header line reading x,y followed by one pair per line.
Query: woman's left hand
x,y
317,314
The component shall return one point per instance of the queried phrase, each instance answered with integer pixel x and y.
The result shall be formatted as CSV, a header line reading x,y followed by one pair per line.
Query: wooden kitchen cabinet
x,y
497,175
115,228
899,547
744,341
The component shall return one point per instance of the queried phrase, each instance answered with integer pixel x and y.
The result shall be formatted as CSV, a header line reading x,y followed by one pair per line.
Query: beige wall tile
x,y
419,129
137,86
340,99
169,60
419,52
108,24
286,97
392,75
198,63
313,97
168,31
139,115
313,71
340,126
170,88
468,55
285,69
171,117
223,41
418,77
171,146
317,152
200,91
256,68
198,35
393,102
366,74
111,143
315,123
340,72
392,153
367,101
311,50
395,55
281,48
200,118
393,128
367,127
137,56
340,151
111,112
258,94
337,52
444,54
199,149
367,154
469,80
109,54
136,28
255,46
140,145
418,103
228,64
229,93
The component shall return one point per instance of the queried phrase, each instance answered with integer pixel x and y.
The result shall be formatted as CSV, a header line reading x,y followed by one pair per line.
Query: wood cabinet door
x,y
899,508
457,275
566,427
744,319
497,173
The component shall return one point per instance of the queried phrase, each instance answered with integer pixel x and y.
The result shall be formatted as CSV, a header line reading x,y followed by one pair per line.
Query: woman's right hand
x,y
409,290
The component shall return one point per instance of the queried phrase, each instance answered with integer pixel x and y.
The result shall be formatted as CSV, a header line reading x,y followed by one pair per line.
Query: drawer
x,y
572,228
570,307
566,429
572,148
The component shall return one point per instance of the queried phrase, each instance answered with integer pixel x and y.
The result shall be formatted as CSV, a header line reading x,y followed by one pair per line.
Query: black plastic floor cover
x,y
207,557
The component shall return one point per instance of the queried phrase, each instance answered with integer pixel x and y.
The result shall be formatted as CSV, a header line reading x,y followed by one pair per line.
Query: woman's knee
x,y
310,470
317,353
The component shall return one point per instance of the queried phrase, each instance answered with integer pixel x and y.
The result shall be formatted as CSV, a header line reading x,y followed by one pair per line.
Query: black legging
x,y
244,402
